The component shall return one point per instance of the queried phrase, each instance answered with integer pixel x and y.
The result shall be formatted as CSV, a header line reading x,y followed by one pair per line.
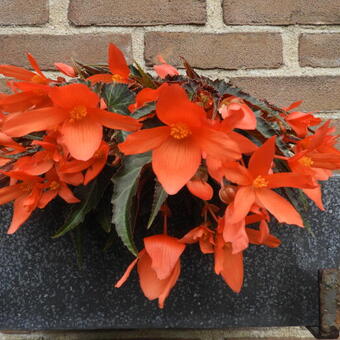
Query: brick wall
x,y
283,50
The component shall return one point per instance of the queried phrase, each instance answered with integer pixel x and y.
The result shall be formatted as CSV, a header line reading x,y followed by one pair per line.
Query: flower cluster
x,y
200,136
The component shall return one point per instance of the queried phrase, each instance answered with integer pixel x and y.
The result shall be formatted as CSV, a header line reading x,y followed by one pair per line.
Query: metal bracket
x,y
329,293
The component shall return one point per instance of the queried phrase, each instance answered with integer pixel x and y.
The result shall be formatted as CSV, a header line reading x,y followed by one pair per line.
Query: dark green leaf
x,y
142,77
78,242
104,215
118,97
144,110
125,187
93,194
159,198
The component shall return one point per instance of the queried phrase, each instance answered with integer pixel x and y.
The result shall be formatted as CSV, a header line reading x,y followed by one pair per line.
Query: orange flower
x,y
177,147
165,69
23,74
231,106
158,267
316,156
26,196
93,166
77,116
300,121
255,184
203,235
118,67
54,188
227,264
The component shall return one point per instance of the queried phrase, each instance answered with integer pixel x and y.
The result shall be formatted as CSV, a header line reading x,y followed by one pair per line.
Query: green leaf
x,y
142,77
144,110
159,198
104,215
78,241
125,187
79,211
118,97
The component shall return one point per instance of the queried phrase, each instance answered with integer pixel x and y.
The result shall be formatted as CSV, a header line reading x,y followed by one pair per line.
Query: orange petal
x,y
279,207
244,199
174,106
201,189
235,233
217,144
164,252
35,66
115,120
66,194
165,69
20,214
245,145
144,140
21,124
69,96
232,272
82,138
261,161
101,78
16,72
175,162
171,281
219,253
117,62
151,285
10,193
315,195
286,179
46,198
128,271
66,69
237,173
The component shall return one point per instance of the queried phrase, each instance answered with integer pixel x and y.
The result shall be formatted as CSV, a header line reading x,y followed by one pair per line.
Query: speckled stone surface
x,y
41,286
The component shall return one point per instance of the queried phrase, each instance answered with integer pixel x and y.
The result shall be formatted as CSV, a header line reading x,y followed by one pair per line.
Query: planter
x,y
42,287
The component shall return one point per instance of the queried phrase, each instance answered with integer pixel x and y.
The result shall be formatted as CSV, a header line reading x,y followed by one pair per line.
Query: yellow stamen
x,y
117,78
77,113
180,131
260,182
54,185
306,161
38,79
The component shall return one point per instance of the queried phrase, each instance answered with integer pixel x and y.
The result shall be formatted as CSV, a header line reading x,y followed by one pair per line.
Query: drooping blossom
x,y
158,266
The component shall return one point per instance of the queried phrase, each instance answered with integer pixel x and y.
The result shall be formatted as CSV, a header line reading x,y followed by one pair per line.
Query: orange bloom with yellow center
x,y
255,184
76,115
177,147
118,67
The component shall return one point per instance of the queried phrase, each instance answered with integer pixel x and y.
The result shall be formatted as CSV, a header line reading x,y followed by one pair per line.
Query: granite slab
x,y
42,287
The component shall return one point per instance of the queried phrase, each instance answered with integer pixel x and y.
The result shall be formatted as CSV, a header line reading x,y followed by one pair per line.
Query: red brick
x,y
208,51
320,50
278,12
136,12
24,12
319,93
87,48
